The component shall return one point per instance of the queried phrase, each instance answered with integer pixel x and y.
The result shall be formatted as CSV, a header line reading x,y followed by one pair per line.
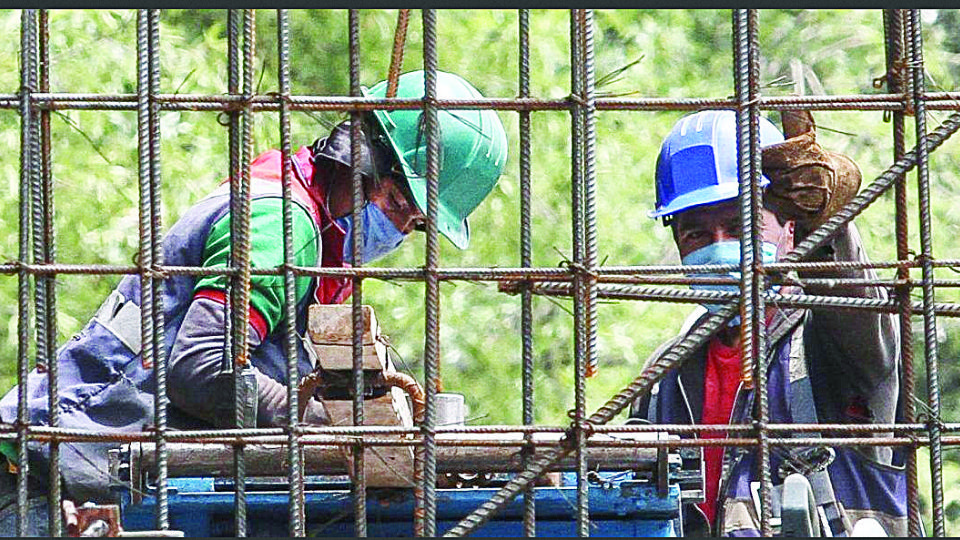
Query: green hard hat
x,y
473,149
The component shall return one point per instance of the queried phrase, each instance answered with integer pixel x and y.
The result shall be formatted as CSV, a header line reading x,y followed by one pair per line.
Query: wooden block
x,y
379,411
383,466
340,357
332,324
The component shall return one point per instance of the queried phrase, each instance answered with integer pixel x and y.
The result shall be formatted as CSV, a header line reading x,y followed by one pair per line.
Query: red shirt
x,y
719,391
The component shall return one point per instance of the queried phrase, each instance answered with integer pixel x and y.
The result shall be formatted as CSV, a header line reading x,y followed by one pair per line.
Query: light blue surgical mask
x,y
724,253
380,235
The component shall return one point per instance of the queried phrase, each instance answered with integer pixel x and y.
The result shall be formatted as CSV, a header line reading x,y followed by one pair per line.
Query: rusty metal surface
x,y
583,280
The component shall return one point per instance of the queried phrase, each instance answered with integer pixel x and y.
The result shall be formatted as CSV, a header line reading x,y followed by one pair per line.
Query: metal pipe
x,y
199,459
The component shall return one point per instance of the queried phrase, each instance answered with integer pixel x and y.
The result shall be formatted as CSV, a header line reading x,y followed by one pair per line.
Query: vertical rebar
x,y
295,474
234,67
915,40
589,191
48,284
359,484
240,252
580,307
431,356
29,150
752,327
233,172
895,61
526,261
396,59
156,246
147,132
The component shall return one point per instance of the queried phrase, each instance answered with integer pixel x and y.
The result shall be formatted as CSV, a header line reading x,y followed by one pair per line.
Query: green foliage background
x,y
670,53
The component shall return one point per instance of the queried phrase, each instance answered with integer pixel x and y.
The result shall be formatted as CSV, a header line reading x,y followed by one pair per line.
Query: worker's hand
x,y
315,413
807,183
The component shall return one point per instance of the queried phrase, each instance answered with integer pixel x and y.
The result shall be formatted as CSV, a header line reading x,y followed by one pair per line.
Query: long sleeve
x,y
857,351
870,341
195,362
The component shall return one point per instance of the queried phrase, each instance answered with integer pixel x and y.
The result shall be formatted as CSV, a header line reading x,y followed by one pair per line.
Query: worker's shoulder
x,y
271,208
688,324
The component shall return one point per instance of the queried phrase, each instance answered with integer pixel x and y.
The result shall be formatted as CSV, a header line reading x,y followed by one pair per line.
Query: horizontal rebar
x,y
687,296
466,273
269,102
338,434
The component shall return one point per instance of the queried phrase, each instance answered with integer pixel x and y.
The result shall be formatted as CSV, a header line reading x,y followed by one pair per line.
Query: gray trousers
x,y
36,524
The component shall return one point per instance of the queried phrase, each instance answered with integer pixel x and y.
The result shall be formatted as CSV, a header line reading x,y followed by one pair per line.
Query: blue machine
x,y
626,503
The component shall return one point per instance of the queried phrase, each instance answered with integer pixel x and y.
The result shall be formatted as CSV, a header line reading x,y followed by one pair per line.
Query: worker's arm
x,y
196,356
196,359
857,350
862,345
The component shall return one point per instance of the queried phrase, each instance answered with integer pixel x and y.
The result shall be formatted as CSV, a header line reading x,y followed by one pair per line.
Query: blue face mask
x,y
726,253
380,235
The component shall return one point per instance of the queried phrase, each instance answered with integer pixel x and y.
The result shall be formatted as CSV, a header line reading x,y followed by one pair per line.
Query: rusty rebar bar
x,y
931,344
29,155
358,485
294,471
526,261
431,353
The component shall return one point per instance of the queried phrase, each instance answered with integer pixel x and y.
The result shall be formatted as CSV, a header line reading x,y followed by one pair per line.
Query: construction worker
x,y
822,365
105,386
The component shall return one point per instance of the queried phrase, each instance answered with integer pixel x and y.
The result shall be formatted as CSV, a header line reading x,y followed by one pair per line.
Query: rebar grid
x,y
584,281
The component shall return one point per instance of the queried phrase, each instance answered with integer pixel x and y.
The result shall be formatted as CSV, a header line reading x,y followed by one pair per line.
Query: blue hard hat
x,y
698,161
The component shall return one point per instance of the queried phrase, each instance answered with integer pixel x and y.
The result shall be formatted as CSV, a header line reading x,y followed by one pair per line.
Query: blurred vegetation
x,y
671,53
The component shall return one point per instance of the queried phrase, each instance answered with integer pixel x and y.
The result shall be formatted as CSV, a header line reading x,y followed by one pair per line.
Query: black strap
x,y
803,409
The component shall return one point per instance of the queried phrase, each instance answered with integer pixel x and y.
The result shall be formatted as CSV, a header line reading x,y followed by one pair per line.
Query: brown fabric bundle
x,y
807,183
